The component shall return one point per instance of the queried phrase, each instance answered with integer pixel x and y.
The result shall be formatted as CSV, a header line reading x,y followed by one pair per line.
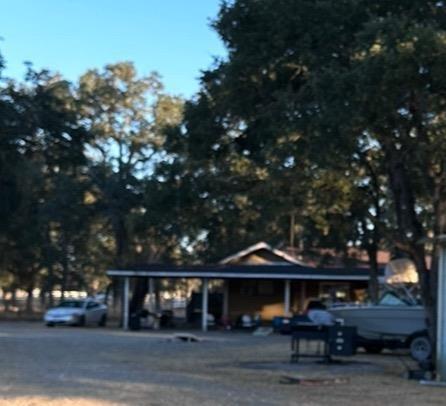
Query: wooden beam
x,y
226,298
287,297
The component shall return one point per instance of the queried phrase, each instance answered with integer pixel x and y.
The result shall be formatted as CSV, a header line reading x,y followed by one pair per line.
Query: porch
x,y
267,290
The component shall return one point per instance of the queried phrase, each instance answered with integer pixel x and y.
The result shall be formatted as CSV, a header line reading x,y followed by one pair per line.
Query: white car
x,y
77,313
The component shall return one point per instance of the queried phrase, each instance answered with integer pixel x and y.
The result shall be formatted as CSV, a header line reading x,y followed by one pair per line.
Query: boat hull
x,y
383,322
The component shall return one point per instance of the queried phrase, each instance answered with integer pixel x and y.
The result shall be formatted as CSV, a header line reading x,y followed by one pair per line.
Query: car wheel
x,y
420,348
81,321
50,324
103,321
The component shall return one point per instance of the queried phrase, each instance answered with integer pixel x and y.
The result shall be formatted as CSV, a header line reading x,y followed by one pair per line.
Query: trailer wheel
x,y
420,347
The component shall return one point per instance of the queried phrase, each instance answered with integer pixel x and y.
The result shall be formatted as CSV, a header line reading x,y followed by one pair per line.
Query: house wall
x,y
252,296
266,297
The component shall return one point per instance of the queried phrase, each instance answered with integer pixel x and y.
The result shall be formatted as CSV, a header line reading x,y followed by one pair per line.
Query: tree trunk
x,y
29,300
5,300
108,289
139,295
121,241
372,253
14,297
117,296
63,285
42,299
49,262
157,295
50,285
373,246
410,229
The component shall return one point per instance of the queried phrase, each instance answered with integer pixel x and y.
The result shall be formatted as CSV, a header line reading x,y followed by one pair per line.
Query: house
x,y
279,296
257,280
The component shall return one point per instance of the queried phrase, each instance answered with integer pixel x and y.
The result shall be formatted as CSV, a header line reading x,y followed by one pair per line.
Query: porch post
x,y
226,298
204,305
151,294
287,297
125,320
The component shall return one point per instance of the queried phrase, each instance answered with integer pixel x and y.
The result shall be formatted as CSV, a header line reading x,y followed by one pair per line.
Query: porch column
x,y
125,305
151,294
226,298
204,305
287,297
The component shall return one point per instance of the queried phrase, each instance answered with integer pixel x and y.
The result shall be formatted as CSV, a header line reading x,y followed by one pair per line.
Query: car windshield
x,y
391,299
74,304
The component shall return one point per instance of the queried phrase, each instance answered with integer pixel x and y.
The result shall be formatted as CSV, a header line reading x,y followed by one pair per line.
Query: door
x,y
93,312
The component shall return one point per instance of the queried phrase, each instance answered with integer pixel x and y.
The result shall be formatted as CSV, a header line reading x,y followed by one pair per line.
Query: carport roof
x,y
294,272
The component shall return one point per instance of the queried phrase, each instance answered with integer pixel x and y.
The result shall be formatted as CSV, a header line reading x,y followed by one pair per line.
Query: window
x,y
73,304
334,291
92,305
390,299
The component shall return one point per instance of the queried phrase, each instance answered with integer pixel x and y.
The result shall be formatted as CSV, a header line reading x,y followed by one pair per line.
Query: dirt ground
x,y
94,366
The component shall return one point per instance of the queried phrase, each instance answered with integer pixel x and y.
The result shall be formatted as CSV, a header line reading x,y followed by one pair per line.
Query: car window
x,y
390,299
92,305
73,304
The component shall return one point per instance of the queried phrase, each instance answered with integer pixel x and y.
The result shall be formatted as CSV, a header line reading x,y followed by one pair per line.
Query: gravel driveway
x,y
93,366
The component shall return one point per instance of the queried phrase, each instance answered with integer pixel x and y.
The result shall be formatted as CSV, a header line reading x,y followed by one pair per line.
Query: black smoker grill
x,y
336,340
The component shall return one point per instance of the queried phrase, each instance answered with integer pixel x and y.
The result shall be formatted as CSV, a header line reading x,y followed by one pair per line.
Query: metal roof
x,y
295,272
258,247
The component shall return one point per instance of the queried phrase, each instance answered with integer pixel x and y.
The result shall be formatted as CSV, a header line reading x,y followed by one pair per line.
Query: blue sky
x,y
171,37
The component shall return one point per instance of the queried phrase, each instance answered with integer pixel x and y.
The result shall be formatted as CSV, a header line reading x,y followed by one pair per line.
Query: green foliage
x,y
347,99
42,159
77,176
330,113
127,116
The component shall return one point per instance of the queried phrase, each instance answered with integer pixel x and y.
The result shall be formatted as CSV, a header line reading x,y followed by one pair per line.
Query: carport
x,y
284,273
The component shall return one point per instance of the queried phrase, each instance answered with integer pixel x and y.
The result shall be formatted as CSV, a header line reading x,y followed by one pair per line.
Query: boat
x,y
391,319
398,320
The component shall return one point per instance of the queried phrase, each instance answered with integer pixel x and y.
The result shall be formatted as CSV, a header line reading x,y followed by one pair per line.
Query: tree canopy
x,y
322,128
345,100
